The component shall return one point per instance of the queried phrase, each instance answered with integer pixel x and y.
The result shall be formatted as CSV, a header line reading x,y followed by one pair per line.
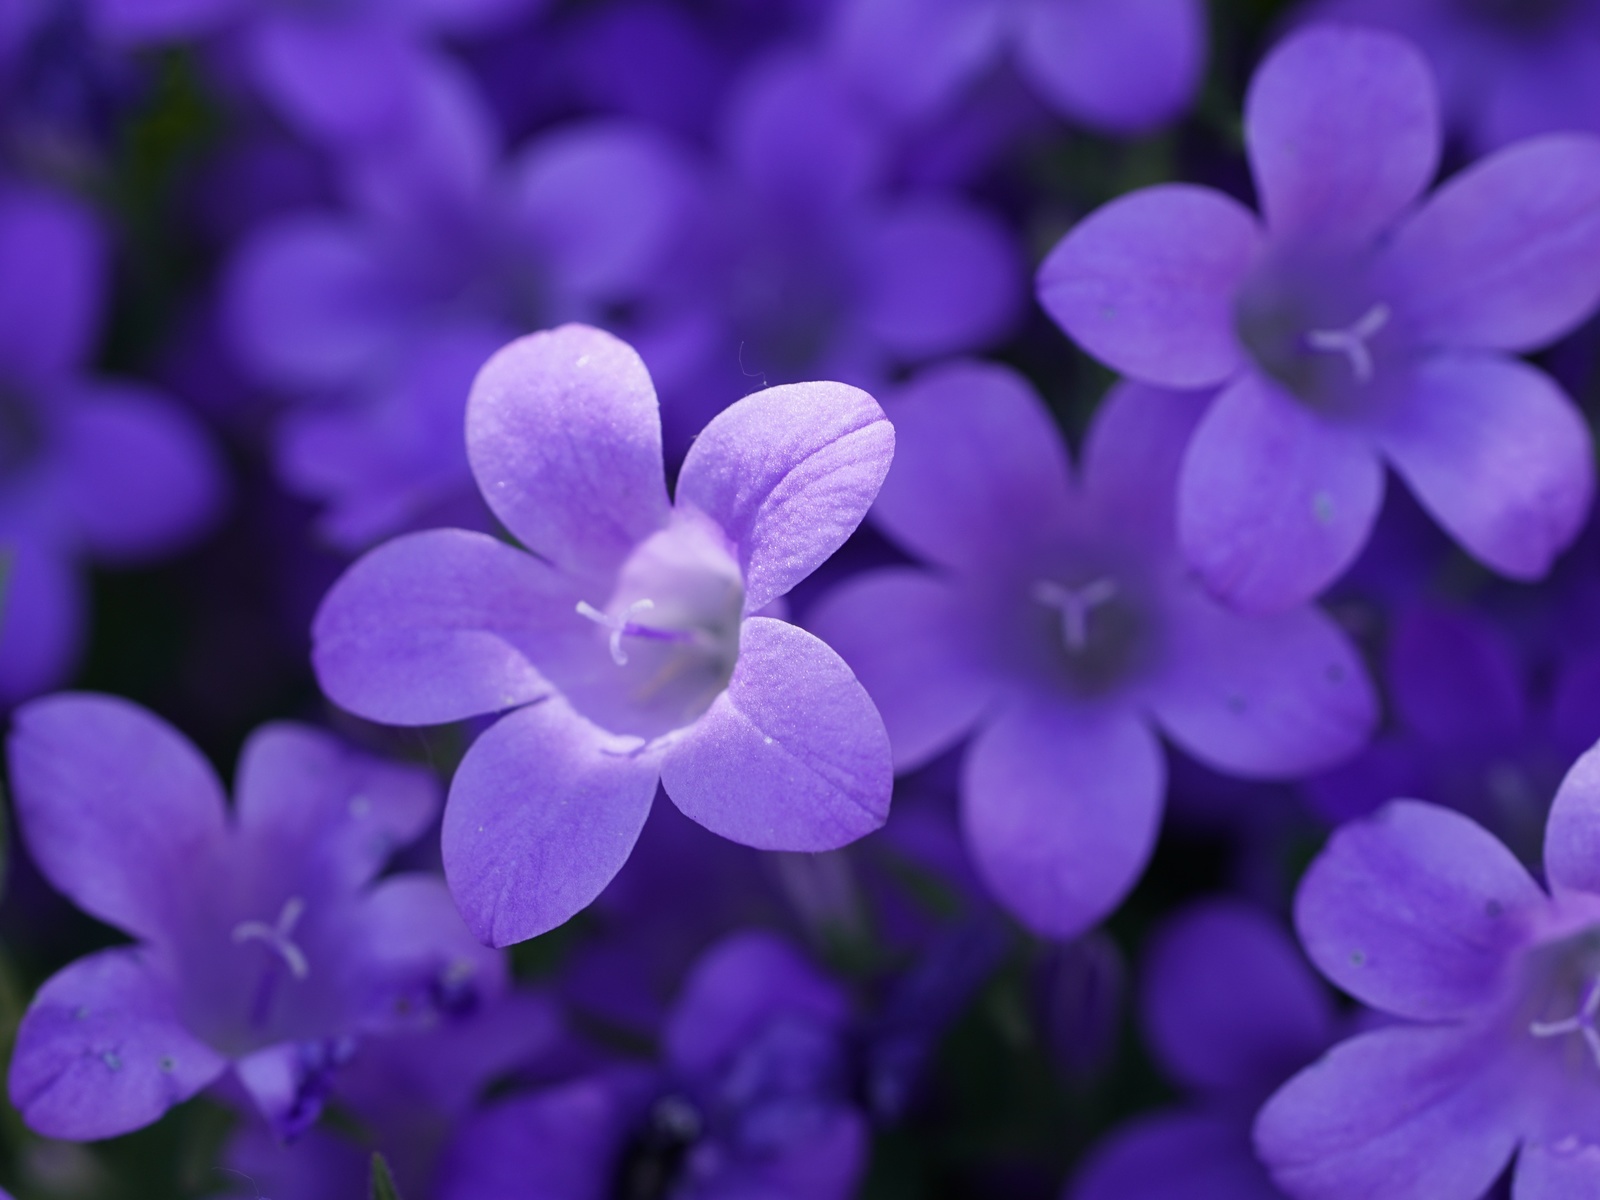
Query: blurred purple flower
x,y
752,1098
1494,983
629,644
263,946
89,468
1360,327
1229,1008
1060,624
1118,66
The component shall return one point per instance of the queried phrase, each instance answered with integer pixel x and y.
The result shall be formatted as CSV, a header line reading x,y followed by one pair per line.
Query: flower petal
x,y
52,284
1455,679
1174,1156
1343,129
42,618
1572,833
433,627
1146,284
116,807
543,811
1061,807
1273,696
914,648
1439,954
565,440
1273,501
793,756
1133,455
337,77
1391,1115
1500,256
974,447
910,58
1120,66
1498,454
1558,1172
101,1050
788,473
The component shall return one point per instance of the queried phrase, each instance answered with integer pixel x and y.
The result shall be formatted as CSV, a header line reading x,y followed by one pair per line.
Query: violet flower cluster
x,y
731,694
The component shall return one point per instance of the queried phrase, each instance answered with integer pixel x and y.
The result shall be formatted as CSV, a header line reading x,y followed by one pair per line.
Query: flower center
x,y
1580,1023
278,938
624,626
1096,627
1352,341
1074,604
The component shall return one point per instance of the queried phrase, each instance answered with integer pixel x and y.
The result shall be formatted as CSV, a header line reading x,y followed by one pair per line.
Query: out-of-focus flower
x,y
1362,326
629,644
264,950
1494,983
1061,625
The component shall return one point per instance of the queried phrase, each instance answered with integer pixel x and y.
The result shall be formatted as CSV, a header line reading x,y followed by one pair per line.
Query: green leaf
x,y
382,1180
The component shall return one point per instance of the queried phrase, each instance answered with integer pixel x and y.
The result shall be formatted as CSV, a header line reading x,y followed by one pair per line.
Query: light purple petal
x,y
1558,1172
543,811
1147,283
1414,910
1572,834
788,473
1132,456
601,203
1174,1156
101,1050
1061,806
433,627
918,652
144,477
736,987
42,618
793,756
974,447
1271,696
1500,257
1342,126
942,277
116,807
1274,502
910,58
1391,1115
52,280
1498,454
564,436
1229,1002
1122,66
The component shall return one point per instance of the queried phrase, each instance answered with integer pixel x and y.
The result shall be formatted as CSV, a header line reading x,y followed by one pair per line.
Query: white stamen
x,y
617,625
1582,1022
1075,605
277,936
1352,342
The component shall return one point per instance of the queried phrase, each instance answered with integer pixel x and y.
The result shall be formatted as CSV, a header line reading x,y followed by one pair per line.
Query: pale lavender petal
x,y
1273,501
910,58
1061,806
42,618
1572,833
1147,283
1501,256
433,627
143,477
1272,696
1174,1156
1342,126
564,436
102,1051
1133,454
788,473
543,811
1495,450
116,807
974,447
1558,1172
941,277
1122,66
793,756
602,203
1441,953
1391,1115
52,282
917,650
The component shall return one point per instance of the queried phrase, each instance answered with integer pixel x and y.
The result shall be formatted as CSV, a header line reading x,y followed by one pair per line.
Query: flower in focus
x,y
629,644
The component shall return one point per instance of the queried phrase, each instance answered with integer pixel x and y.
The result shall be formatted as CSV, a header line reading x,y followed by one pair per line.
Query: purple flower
x,y
1064,638
1114,65
1229,1009
89,468
629,644
752,1098
1359,328
262,944
1494,983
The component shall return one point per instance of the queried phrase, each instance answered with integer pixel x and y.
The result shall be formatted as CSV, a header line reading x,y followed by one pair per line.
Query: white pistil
x,y
619,626
277,937
1352,341
1074,604
1582,1022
